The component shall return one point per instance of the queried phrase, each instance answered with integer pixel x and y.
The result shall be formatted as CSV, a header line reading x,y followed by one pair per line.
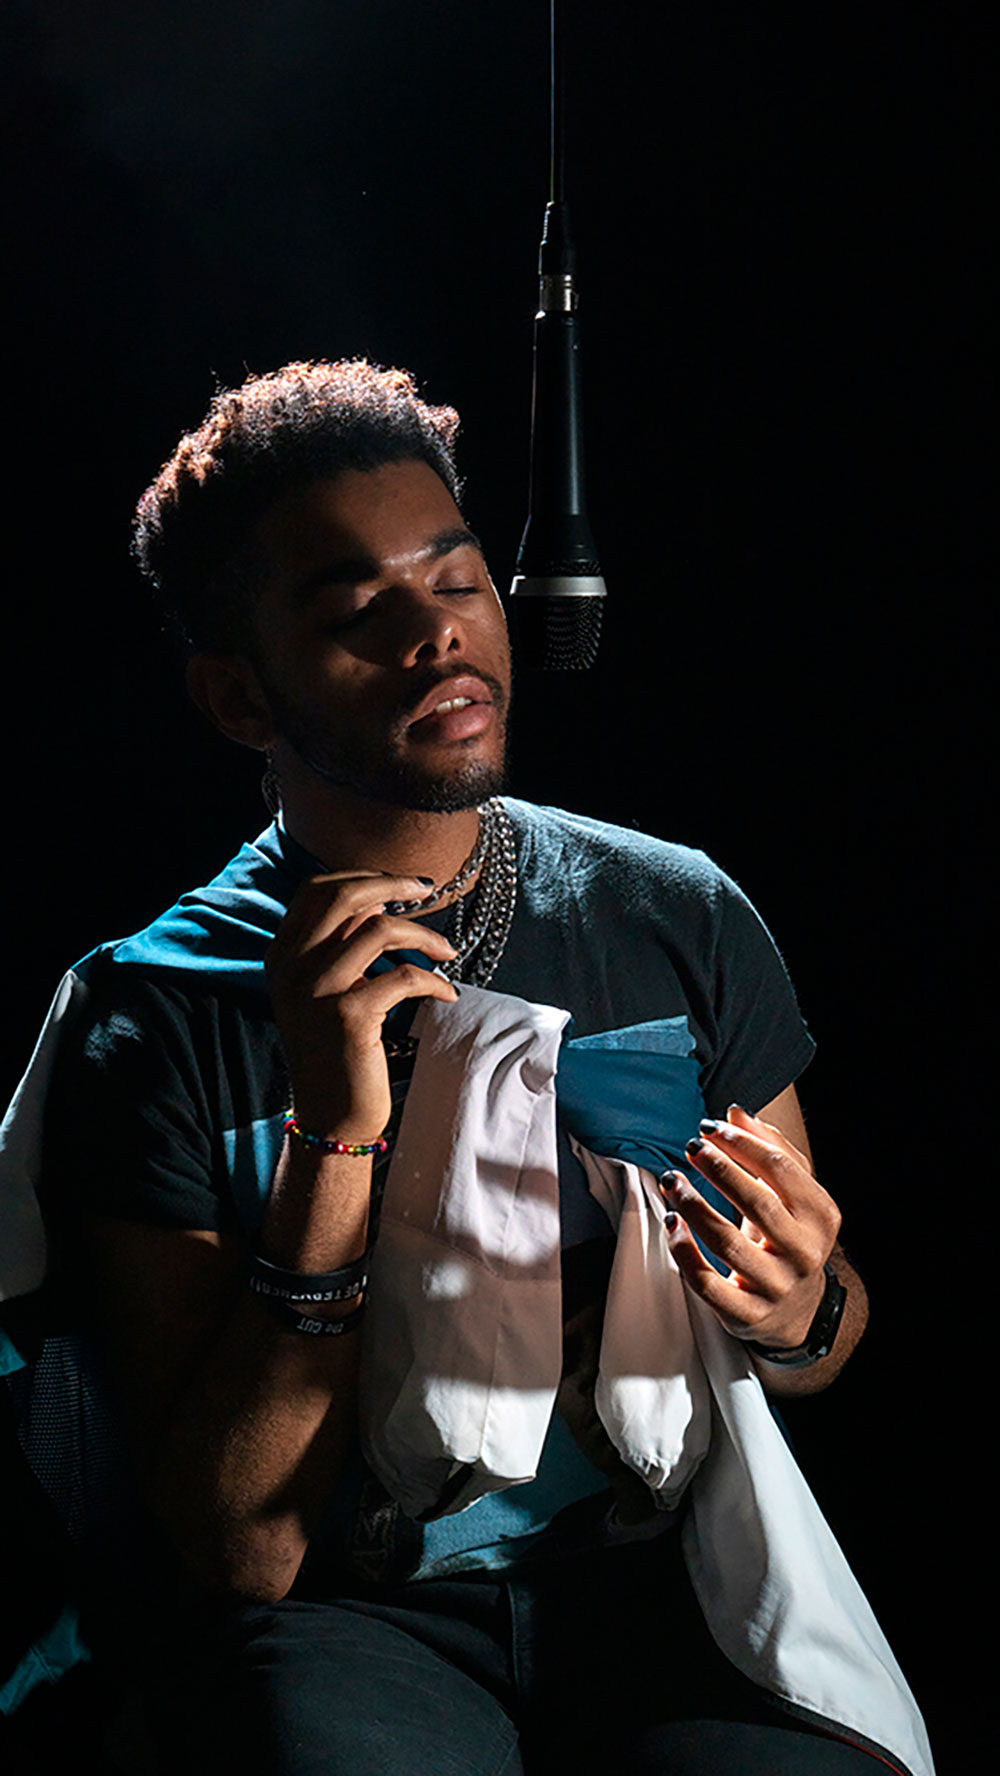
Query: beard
x,y
376,772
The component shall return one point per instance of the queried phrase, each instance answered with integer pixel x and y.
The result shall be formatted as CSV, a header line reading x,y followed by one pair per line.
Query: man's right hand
x,y
328,1015
241,1425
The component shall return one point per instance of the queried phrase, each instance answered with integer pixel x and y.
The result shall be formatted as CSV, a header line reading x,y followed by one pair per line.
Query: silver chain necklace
x,y
481,943
402,909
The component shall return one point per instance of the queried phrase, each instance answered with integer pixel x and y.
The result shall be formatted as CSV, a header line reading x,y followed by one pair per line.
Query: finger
x,y
417,927
766,1271
371,1000
811,1204
335,966
740,1118
323,904
776,1169
354,902
739,1308
800,1227
751,1194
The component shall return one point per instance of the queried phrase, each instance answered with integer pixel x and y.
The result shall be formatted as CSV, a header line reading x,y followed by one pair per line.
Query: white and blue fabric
x,y
462,1361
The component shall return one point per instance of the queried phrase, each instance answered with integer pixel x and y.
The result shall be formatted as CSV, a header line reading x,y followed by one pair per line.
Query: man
x,y
341,619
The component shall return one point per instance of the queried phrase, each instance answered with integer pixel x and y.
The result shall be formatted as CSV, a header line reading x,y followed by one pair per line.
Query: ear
x,y
226,689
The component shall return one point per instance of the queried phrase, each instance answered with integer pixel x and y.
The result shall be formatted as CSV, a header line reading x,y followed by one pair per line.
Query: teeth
x,y
451,703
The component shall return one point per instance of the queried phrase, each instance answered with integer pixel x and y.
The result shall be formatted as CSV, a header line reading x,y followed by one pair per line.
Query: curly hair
x,y
273,433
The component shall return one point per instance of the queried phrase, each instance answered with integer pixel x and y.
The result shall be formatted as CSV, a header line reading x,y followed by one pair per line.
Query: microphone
x,y
558,591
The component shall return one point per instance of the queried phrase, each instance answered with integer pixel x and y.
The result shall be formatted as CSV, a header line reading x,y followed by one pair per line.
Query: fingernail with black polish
x,y
670,1220
694,1145
707,1126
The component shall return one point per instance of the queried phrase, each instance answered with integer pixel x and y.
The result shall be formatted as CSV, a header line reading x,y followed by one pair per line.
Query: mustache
x,y
433,677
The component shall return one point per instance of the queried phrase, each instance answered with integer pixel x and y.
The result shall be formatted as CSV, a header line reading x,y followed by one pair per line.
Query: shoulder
x,y
128,1026
579,869
588,853
211,939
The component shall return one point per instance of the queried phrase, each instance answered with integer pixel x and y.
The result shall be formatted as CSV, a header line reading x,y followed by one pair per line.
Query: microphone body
x,y
557,596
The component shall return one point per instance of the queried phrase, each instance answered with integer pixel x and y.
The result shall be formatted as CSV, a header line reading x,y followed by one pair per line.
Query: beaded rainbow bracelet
x,y
356,1149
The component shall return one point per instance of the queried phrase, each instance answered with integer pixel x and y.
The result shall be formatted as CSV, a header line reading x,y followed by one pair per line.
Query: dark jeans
x,y
600,1664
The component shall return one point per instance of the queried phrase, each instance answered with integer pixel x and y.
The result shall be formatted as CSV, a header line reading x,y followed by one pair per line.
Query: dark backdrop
x,y
781,221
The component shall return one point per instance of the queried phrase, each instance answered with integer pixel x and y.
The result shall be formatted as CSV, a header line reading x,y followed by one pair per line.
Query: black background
x,y
781,220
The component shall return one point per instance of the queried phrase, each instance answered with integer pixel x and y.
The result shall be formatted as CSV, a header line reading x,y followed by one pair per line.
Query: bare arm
x,y
788,1231
242,1425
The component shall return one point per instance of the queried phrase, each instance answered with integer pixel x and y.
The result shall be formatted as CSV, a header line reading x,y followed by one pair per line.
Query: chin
x,y
402,782
450,793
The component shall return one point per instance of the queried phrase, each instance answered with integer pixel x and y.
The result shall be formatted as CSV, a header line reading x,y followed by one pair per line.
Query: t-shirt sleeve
x,y
762,1041
128,1124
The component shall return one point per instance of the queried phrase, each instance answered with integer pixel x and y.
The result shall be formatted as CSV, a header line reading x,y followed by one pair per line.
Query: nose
x,y
427,626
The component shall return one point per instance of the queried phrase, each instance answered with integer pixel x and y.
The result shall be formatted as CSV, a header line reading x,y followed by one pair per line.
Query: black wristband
x,y
293,1285
294,1321
818,1341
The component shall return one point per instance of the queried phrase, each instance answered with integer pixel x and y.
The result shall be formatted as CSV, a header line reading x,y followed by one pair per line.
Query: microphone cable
x,y
558,591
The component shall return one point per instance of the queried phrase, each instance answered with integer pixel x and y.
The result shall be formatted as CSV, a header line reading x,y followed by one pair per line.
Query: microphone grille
x,y
572,568
558,634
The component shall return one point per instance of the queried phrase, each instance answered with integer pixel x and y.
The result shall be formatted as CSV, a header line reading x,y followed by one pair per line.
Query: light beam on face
x,y
382,772
376,599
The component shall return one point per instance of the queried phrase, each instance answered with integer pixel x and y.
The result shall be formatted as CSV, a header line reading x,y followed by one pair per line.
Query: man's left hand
x,y
787,1231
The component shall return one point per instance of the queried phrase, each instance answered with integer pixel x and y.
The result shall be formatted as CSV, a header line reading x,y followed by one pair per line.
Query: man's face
x,y
376,608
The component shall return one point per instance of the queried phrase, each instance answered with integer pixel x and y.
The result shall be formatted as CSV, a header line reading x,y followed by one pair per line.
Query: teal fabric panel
x,y
634,1094
46,1660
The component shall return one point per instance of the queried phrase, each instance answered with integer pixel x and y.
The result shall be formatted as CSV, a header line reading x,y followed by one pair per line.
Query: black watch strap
x,y
818,1341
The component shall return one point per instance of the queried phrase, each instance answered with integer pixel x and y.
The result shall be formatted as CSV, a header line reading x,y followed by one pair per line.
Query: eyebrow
x,y
354,570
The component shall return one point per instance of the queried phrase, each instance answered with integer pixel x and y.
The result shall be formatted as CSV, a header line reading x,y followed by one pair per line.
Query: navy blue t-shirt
x,y
170,1087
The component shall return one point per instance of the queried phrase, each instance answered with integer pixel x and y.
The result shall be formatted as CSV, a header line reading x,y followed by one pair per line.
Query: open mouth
x,y
454,710
451,703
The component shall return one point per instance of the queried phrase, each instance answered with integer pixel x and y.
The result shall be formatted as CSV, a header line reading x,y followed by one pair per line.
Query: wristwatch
x,y
818,1341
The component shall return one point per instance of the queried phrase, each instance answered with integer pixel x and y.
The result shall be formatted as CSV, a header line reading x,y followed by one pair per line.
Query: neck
x,y
345,831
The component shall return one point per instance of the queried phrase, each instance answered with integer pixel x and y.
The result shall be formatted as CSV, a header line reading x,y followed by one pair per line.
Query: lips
x,y
467,692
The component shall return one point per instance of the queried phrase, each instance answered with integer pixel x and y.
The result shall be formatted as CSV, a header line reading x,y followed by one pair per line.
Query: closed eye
x,y
337,625
353,618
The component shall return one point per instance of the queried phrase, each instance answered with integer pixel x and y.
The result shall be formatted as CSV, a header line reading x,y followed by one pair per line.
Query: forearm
x,y
854,1318
242,1423
252,1452
245,1465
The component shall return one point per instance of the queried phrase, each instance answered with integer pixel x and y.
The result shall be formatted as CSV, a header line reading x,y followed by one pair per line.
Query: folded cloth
x,y
463,1346
462,1355
773,1584
652,1394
